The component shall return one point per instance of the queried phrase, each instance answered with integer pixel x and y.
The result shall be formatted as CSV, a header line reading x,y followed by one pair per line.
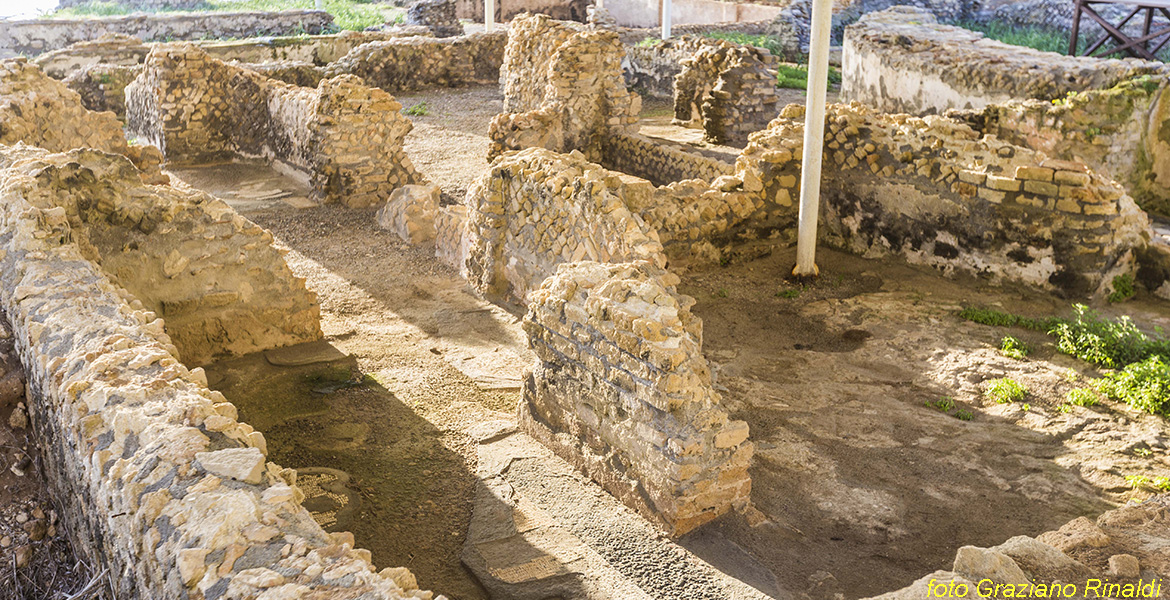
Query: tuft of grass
x,y
1108,343
353,15
945,404
1029,37
648,42
1081,397
1012,347
722,293
418,110
1144,385
1157,484
790,294
1123,288
999,318
1005,391
767,42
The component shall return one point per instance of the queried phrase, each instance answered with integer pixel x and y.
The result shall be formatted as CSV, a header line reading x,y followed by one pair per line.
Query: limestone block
x,y
411,212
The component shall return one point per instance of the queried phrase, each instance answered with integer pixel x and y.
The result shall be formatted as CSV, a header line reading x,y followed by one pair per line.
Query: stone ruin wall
x,y
727,89
621,391
158,476
651,69
536,209
416,63
35,36
43,112
584,96
659,162
901,61
347,136
508,10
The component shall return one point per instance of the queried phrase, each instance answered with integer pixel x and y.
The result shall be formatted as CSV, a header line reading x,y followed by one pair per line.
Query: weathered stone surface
x,y
1125,566
621,379
410,212
727,88
347,136
416,63
438,15
241,464
977,564
1078,533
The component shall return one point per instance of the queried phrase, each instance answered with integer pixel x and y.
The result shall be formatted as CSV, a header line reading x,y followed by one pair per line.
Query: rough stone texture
x,y
438,15
652,68
536,209
111,49
214,276
901,60
300,74
565,96
34,36
347,136
43,112
1123,132
730,89
122,421
145,5
410,212
622,391
451,235
508,10
1057,15
658,162
102,87
415,63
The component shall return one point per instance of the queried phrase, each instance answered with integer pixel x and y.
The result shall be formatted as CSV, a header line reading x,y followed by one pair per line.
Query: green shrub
x,y
964,415
1144,385
1123,288
1012,347
1111,344
1005,391
1081,397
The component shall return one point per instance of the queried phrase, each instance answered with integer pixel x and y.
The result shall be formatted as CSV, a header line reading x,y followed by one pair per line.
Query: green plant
x,y
1030,37
418,110
945,404
1071,375
1005,391
1012,347
1144,385
1064,408
796,76
964,415
648,42
1143,452
1123,288
790,293
1111,344
1081,397
722,293
347,14
991,316
1158,484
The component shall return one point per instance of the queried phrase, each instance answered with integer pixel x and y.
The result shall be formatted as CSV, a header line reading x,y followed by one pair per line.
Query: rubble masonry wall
x,y
33,36
728,89
622,391
659,162
416,63
347,136
158,477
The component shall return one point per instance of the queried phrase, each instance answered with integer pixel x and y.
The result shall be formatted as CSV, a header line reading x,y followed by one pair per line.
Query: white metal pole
x,y
489,15
814,138
665,19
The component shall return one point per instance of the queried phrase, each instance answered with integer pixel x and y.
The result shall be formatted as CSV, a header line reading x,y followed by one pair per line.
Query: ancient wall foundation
x,y
622,391
652,68
583,96
416,63
35,36
728,89
902,61
659,162
534,210
157,475
347,136
507,10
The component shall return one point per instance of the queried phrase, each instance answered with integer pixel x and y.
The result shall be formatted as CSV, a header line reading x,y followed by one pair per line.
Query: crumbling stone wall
x,y
347,136
621,390
144,5
156,473
416,63
451,235
584,96
102,87
1123,132
659,162
35,36
902,60
438,15
652,68
43,112
536,209
110,49
508,10
729,89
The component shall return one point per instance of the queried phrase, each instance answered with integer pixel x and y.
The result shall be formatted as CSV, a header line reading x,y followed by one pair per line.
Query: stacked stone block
x,y
727,88
622,391
659,162
112,49
536,209
347,136
652,68
154,470
584,95
438,15
451,235
416,63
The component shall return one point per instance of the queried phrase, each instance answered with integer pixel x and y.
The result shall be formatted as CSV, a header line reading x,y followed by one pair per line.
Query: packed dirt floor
x,y
859,487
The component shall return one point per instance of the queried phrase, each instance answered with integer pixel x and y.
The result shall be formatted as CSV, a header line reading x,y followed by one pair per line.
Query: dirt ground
x,y
861,488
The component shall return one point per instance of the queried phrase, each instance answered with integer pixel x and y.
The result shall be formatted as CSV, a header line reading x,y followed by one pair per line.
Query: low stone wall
x,y
34,36
727,88
142,4
658,161
621,390
1123,132
652,69
43,112
451,235
156,475
584,96
416,63
507,10
437,15
536,209
901,60
102,87
110,49
347,136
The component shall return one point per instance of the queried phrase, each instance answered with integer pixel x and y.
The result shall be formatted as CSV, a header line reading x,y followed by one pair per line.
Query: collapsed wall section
x,y
902,61
727,89
416,63
561,96
157,475
346,135
621,390
536,209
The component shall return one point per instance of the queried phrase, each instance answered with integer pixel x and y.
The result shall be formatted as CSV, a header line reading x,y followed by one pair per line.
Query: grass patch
x,y
354,15
647,43
1005,391
1029,37
999,318
1012,347
1108,343
964,415
418,110
1155,484
796,77
1081,397
1143,385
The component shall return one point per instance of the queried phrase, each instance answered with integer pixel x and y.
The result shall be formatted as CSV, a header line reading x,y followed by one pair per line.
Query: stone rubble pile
x,y
347,136
438,15
620,379
156,473
727,88
102,87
